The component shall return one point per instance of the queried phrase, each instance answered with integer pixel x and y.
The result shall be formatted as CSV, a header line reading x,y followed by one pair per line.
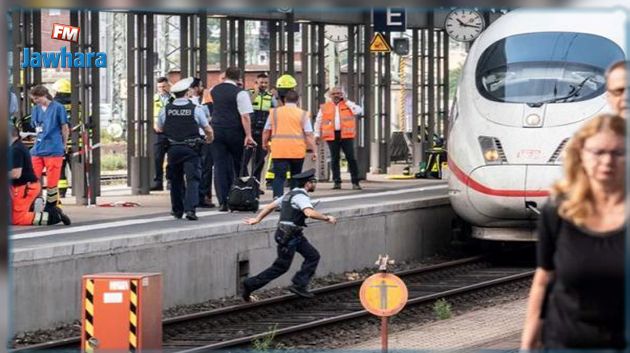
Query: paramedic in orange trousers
x,y
25,188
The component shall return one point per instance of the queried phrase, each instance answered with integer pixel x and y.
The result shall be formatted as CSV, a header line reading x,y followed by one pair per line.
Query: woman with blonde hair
x,y
577,294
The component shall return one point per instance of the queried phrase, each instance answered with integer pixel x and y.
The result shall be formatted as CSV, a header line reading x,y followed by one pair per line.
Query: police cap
x,y
182,85
305,176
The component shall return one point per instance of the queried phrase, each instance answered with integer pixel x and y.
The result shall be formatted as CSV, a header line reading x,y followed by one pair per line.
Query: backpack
x,y
245,191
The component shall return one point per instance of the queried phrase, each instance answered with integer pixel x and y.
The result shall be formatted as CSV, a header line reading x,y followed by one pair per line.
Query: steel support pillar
x,y
366,122
415,137
290,53
223,57
140,89
84,113
445,85
26,34
430,80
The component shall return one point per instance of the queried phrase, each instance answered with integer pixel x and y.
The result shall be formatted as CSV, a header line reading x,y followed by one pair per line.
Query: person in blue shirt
x,y
50,121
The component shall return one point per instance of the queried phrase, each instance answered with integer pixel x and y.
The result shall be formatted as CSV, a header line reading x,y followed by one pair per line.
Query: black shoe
x,y
223,208
157,187
245,292
302,292
177,214
206,205
64,218
191,216
337,186
356,187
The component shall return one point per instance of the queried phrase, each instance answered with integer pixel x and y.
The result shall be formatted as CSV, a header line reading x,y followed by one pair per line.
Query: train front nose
x,y
503,192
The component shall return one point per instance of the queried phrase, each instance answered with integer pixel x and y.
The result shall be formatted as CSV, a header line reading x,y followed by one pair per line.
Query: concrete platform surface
x,y
496,328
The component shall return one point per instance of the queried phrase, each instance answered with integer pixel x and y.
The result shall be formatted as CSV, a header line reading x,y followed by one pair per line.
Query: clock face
x,y
336,33
464,25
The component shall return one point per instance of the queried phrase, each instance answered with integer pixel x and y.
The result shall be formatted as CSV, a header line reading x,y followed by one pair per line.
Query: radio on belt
x,y
121,311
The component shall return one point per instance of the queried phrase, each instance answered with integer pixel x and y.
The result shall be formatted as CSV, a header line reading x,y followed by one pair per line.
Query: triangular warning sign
x,y
379,44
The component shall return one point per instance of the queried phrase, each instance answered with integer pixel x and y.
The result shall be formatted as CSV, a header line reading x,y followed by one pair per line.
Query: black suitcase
x,y
245,191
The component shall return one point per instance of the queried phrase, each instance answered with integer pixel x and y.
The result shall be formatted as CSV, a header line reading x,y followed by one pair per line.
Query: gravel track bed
x,y
74,329
357,331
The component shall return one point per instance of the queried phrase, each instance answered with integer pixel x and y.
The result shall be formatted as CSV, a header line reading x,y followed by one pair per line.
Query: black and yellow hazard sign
x,y
133,316
88,326
379,44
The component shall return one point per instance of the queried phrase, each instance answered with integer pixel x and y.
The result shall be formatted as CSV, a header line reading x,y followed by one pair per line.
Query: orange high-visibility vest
x,y
287,132
346,118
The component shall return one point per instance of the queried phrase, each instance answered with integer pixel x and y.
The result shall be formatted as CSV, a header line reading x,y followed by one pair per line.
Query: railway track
x,y
288,315
110,178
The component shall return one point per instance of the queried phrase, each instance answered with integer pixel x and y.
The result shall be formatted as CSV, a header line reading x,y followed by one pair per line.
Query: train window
x,y
546,67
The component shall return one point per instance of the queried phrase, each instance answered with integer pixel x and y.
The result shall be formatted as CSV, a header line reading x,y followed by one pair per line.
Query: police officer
x,y
180,122
195,93
295,207
161,98
262,101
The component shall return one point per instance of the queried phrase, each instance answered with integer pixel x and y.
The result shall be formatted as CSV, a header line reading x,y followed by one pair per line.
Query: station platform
x,y
206,259
496,328
118,210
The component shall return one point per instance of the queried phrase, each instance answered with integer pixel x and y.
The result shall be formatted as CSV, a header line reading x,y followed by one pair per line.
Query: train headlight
x,y
491,155
492,150
533,120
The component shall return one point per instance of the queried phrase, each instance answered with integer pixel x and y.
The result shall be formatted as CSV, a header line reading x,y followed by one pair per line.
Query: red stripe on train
x,y
470,182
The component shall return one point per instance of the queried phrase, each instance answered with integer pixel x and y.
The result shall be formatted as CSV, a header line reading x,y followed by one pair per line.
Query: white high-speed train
x,y
529,82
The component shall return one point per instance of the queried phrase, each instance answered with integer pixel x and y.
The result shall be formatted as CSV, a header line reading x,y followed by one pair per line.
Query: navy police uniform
x,y
290,239
180,122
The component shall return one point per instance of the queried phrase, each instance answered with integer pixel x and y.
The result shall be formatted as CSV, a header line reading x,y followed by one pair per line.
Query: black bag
x,y
245,192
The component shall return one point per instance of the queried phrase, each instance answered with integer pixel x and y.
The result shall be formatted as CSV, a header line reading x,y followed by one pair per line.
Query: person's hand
x,y
265,146
251,221
317,140
330,219
249,141
314,156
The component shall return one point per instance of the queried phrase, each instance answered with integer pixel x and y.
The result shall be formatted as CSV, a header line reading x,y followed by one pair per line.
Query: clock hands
x,y
463,24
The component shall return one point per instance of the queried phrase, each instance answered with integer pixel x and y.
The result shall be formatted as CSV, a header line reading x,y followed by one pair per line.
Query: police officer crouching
x,y
295,207
180,122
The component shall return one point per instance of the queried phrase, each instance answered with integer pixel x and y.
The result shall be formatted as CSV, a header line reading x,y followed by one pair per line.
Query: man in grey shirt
x,y
295,207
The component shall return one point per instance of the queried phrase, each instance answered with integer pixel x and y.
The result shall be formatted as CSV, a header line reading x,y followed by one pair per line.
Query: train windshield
x,y
546,67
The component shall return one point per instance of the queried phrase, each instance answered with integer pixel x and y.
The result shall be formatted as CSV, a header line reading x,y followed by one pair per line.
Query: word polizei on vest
x,y
180,112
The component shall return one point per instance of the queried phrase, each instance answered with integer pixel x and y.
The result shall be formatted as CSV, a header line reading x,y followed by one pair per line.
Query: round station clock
x,y
464,25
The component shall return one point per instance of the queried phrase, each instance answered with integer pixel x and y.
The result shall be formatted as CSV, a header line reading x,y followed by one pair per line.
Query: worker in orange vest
x,y
336,124
290,131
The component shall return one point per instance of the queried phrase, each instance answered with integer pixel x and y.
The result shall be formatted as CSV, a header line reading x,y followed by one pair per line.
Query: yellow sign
x,y
383,294
379,44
